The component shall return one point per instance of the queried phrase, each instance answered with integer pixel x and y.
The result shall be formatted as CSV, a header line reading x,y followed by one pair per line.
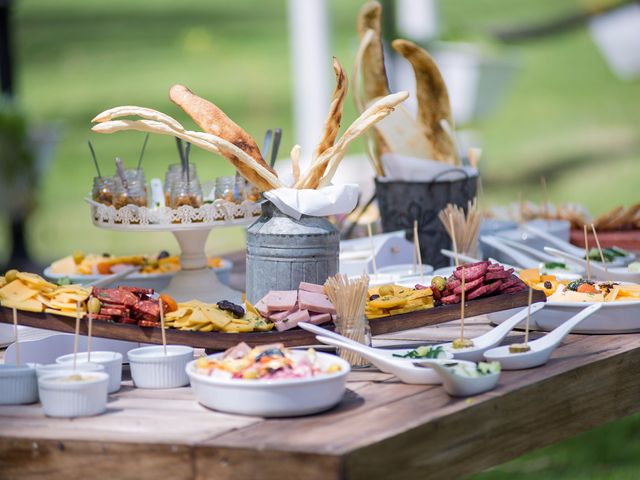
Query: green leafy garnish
x,y
423,352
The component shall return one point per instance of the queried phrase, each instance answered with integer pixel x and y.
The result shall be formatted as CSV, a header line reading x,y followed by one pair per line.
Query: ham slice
x,y
315,302
319,318
311,287
280,315
278,300
292,320
261,307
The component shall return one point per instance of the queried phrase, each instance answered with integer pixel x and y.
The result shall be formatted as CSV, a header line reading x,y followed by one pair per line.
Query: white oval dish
x,y
56,368
18,384
112,362
151,368
272,398
69,399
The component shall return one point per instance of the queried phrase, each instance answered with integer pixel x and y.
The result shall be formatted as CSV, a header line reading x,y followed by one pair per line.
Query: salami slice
x,y
485,290
471,273
451,299
508,284
499,274
453,284
468,286
469,265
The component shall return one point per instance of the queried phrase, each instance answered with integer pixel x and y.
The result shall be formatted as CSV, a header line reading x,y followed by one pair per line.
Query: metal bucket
x,y
401,203
283,251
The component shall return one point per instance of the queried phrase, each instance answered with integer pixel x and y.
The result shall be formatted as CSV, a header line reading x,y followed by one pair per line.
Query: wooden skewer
x,y
586,249
453,240
15,334
526,327
164,334
604,264
373,249
89,332
462,307
76,335
416,244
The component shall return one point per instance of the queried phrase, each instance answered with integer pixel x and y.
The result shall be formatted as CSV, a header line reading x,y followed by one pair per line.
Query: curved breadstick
x,y
332,123
433,101
357,68
214,121
325,166
374,74
295,162
260,177
146,113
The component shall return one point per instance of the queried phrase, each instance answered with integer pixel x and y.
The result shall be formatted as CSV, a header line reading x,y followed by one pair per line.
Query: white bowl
x,y
18,384
151,368
85,367
112,362
272,398
73,399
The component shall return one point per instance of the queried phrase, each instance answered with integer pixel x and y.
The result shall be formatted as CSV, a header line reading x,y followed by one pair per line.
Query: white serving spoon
x,y
405,371
459,386
532,252
461,257
492,338
542,348
521,259
597,271
572,249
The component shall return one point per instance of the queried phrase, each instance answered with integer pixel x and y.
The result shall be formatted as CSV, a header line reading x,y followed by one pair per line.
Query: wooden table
x,y
382,428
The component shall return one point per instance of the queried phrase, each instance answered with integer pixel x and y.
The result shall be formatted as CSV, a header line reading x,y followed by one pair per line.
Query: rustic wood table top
x,y
381,429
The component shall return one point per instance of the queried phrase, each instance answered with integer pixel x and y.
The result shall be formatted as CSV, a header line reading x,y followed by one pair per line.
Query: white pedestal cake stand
x,y
195,280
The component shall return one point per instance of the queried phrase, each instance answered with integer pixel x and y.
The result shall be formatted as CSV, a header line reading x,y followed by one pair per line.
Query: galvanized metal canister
x,y
283,251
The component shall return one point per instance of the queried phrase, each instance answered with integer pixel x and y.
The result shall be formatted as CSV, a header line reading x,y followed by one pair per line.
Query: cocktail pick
x,y
144,147
586,249
524,347
95,159
373,248
164,334
453,239
462,295
76,335
89,332
15,334
604,263
416,246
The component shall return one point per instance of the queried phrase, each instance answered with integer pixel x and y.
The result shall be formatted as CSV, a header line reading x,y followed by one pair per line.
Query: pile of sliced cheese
x,y
32,293
204,317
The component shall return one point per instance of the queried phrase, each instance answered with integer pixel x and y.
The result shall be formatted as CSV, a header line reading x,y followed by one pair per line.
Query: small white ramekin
x,y
111,361
84,367
73,399
151,368
18,384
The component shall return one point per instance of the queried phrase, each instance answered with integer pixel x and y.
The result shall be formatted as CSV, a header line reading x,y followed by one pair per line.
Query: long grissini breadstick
x,y
357,68
295,162
324,168
146,113
334,117
263,178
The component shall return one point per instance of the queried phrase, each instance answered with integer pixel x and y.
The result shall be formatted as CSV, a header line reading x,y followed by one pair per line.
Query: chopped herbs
x,y
424,352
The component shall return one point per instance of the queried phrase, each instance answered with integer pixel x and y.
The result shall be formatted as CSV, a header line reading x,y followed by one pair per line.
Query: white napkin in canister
x,y
412,169
331,200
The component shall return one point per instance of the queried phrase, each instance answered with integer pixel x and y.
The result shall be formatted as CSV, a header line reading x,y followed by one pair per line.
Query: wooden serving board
x,y
292,338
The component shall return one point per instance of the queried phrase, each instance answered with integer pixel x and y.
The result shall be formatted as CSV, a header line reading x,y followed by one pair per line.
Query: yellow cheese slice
x,y
64,313
17,291
30,305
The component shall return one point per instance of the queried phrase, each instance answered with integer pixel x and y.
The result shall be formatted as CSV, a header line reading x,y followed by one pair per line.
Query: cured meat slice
x,y
311,287
509,283
278,300
261,307
292,320
468,286
137,290
471,273
450,299
280,315
455,283
485,290
499,274
475,264
315,302
319,318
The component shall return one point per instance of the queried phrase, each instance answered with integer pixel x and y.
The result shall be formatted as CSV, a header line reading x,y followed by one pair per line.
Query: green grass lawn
x,y
565,117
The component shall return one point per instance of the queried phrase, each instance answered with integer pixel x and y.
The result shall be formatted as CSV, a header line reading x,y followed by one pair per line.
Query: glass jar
x,y
173,174
102,191
230,188
131,193
251,193
359,331
185,192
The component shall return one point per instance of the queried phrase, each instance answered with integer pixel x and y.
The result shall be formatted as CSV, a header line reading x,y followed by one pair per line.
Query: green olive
x,y
385,290
439,282
93,305
11,275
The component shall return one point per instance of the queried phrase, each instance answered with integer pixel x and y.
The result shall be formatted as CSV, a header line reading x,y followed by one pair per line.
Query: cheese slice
x,y
64,313
17,291
29,305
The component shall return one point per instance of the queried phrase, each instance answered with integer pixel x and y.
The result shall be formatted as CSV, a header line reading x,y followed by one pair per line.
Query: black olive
x,y
163,254
373,297
106,255
548,284
236,310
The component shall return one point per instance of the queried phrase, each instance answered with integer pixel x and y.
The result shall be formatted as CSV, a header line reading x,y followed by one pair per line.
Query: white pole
x,y
311,66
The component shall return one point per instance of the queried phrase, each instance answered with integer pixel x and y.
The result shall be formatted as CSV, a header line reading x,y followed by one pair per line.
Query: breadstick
x,y
374,74
332,123
146,113
295,162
